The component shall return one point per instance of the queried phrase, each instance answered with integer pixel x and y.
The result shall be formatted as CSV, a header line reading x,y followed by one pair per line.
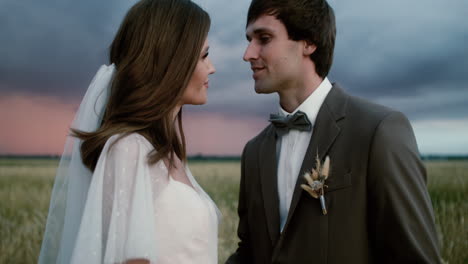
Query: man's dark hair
x,y
309,20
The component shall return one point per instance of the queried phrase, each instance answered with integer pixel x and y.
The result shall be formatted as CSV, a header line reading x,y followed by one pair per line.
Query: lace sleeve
x,y
118,222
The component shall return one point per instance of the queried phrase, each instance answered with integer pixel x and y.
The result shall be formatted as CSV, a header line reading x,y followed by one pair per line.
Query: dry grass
x,y
448,187
25,187
24,199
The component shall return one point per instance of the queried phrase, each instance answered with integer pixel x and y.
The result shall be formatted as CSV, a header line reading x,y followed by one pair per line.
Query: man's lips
x,y
257,68
256,71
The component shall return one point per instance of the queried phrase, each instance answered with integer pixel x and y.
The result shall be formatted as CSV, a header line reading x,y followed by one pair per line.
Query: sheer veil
x,y
73,178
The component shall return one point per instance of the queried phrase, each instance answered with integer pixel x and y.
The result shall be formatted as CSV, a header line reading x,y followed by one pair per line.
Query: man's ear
x,y
309,48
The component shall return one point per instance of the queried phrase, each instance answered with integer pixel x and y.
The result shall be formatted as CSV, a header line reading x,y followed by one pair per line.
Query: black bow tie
x,y
297,121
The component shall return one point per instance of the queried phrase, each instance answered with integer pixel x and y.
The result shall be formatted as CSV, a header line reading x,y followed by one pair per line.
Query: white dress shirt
x,y
293,146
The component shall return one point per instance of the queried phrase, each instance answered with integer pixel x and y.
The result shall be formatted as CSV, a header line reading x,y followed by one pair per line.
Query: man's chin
x,y
262,89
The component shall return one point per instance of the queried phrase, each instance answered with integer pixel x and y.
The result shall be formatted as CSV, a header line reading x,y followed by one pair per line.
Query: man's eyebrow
x,y
258,31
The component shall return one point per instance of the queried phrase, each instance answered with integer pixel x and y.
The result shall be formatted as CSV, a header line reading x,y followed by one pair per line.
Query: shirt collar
x,y
312,104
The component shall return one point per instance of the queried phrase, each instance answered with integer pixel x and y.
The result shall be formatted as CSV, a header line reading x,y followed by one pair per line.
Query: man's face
x,y
274,58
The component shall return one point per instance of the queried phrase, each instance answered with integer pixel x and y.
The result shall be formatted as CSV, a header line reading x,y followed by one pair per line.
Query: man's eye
x,y
265,39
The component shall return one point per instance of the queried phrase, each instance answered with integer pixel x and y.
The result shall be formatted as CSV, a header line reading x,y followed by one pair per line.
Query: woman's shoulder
x,y
132,142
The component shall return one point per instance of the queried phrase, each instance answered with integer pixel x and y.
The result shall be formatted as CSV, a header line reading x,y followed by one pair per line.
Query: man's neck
x,y
292,98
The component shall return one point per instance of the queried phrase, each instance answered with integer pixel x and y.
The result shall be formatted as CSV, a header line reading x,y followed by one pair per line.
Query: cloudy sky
x,y
408,55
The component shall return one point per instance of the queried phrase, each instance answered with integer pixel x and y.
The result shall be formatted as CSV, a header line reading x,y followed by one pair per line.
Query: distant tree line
x,y
444,157
200,157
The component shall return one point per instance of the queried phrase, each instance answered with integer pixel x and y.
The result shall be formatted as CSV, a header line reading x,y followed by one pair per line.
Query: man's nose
x,y
250,53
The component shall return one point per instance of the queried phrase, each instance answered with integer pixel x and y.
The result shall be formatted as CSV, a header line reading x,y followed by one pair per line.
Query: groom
x,y
378,207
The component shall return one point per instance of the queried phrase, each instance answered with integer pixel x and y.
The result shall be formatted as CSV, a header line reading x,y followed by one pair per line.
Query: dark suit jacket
x,y
379,210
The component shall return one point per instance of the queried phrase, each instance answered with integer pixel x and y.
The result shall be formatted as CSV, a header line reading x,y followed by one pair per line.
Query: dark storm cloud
x,y
402,54
52,48
410,56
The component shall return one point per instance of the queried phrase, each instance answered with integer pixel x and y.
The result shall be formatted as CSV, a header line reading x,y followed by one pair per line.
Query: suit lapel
x,y
269,183
325,131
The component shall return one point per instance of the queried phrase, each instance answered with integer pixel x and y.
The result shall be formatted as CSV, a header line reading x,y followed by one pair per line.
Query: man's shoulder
x,y
365,109
368,107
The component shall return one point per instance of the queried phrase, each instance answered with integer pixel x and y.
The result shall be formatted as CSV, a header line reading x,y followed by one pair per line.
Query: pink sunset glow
x,y
212,133
34,125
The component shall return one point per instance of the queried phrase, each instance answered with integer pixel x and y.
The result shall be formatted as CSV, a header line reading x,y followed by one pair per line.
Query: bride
x,y
123,192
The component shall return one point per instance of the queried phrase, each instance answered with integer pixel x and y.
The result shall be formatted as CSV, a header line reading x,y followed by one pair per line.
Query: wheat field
x,y
25,187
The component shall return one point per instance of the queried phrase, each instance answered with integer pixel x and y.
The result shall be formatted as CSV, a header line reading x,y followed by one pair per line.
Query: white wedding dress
x,y
137,211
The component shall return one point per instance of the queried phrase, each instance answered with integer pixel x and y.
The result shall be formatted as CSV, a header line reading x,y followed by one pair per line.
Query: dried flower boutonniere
x,y
316,181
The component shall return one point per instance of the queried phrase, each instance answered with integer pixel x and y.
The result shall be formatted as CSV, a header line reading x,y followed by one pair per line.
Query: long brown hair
x,y
155,53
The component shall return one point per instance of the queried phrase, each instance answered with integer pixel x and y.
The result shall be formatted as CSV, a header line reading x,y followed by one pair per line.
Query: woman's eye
x,y
205,55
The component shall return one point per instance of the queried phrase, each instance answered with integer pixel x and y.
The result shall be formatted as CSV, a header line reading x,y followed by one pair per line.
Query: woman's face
x,y
196,92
